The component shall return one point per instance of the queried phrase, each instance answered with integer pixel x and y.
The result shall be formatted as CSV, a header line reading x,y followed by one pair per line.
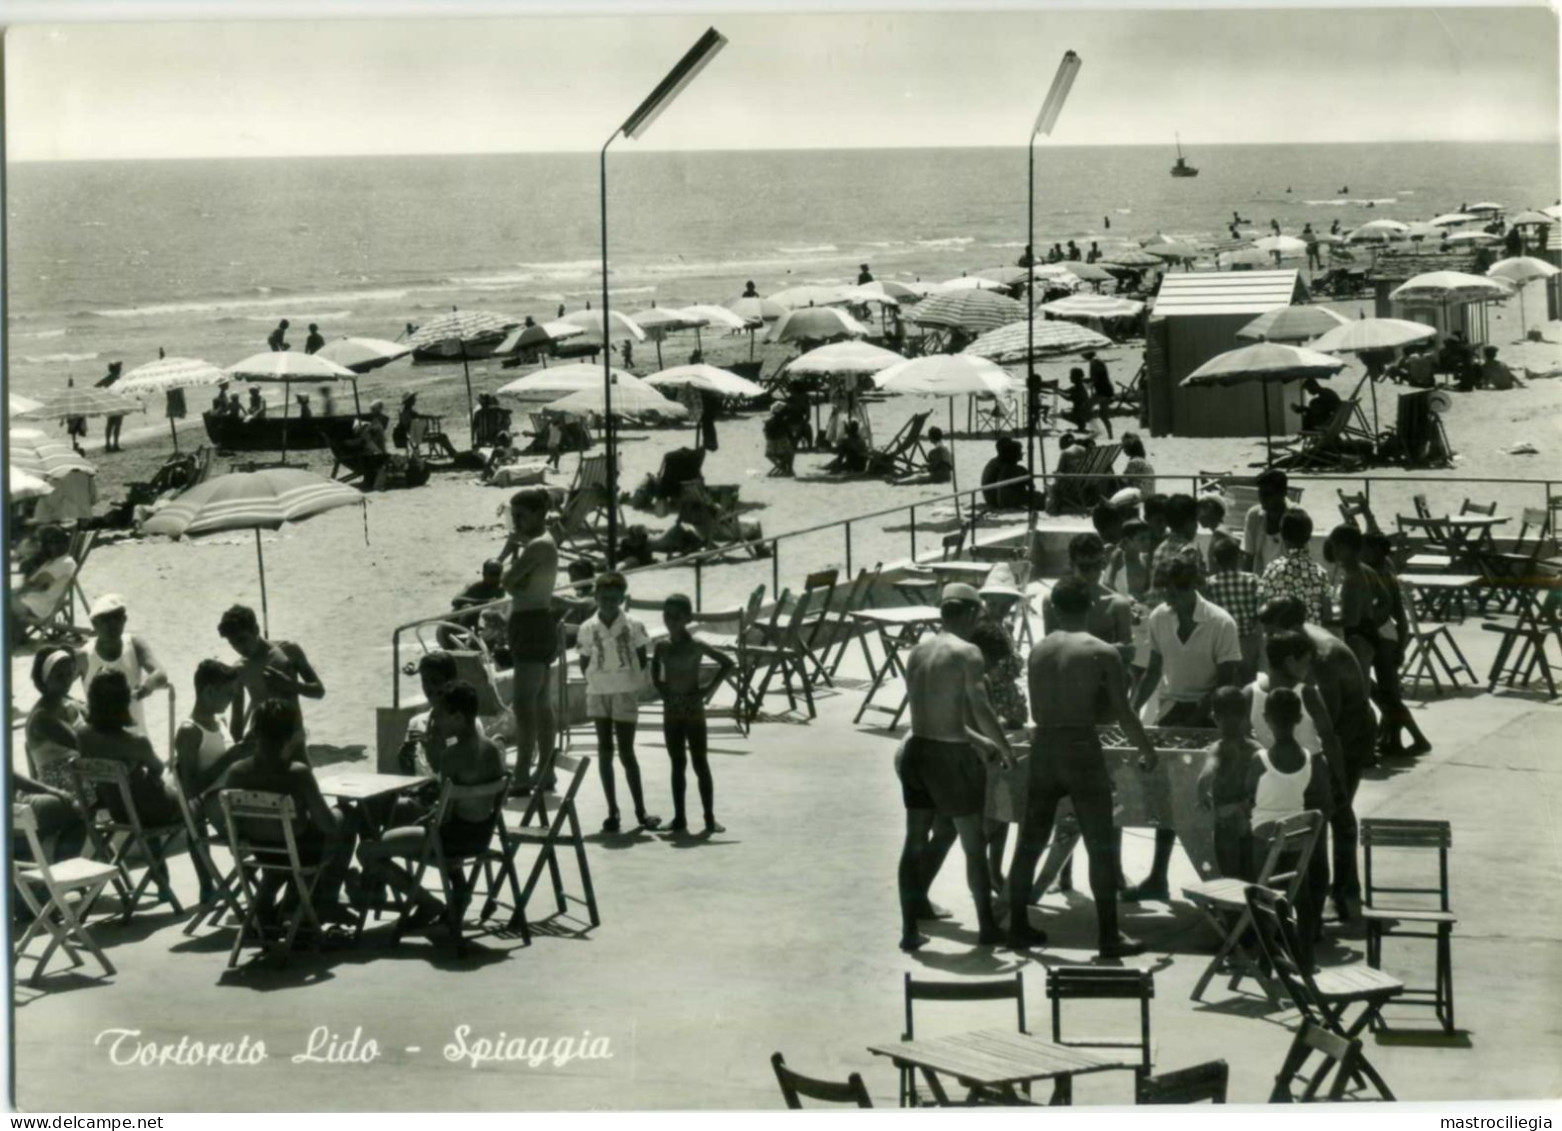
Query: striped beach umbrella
x,y
463,328
1263,364
24,485
34,453
363,354
1092,306
170,373
1378,231
64,404
1011,344
1368,334
1443,288
254,500
974,311
19,404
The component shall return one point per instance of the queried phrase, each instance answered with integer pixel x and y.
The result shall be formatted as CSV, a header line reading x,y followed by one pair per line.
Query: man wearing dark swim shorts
x,y
954,731
1074,679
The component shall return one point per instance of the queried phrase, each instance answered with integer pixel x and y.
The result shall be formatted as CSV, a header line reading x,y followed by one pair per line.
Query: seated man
x,y
1320,410
477,593
1495,374
851,453
1008,464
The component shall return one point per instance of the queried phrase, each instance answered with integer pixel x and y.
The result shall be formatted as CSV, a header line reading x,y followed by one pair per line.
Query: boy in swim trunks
x,y
1223,783
534,636
613,657
675,670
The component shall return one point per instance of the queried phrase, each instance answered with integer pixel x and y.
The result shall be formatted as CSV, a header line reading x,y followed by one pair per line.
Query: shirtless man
x,y
954,731
534,635
268,670
1076,681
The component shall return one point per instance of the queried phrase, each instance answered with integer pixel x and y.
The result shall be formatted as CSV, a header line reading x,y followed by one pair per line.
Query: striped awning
x,y
1223,292
254,500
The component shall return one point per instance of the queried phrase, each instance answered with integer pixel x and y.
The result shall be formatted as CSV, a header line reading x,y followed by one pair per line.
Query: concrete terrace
x,y
780,934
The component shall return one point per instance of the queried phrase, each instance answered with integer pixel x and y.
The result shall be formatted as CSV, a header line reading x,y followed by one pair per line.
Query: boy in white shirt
x,y
613,657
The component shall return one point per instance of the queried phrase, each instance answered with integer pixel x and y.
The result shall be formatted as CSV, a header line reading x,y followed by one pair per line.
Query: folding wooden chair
x,y
1429,646
1523,650
573,528
843,629
820,589
1191,1085
1224,901
71,888
123,836
1357,510
547,835
904,454
1337,1054
785,652
1324,997
795,1086
1396,916
1080,983
201,840
459,871
998,414
1324,449
985,989
1127,398
270,856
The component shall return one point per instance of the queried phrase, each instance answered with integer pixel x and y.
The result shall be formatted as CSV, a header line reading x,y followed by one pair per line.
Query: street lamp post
x,y
692,63
1062,82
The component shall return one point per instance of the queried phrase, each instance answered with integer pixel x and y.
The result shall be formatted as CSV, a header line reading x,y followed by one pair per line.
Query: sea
x,y
115,260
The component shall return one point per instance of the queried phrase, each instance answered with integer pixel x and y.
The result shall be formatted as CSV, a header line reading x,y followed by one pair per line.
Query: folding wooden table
x,y
994,1063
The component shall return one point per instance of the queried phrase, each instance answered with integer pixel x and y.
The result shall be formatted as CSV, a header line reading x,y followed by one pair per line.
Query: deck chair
x,y
1322,450
125,837
548,834
1395,910
716,521
795,1086
260,860
1322,998
1080,983
591,472
984,989
1191,1085
995,413
1337,1055
573,529
1429,647
1128,398
1224,902
459,873
904,454
785,652
1356,507
69,889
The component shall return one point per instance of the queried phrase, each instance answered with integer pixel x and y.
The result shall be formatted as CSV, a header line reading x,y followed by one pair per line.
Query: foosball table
x,y
1165,797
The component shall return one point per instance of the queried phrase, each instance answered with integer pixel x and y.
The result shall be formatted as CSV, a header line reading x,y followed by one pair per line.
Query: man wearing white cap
x,y
954,733
115,650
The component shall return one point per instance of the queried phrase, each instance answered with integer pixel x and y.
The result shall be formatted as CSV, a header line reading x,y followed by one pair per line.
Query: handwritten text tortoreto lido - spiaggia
x,y
126,1048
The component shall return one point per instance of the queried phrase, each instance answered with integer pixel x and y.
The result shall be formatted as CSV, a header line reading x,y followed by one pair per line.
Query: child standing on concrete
x,y
675,669
613,657
1223,784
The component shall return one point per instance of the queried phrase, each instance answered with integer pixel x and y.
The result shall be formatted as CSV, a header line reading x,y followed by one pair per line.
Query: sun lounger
x,y
904,454
1326,449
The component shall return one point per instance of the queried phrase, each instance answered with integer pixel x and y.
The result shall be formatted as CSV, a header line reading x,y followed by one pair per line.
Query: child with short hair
x,y
675,670
555,440
1128,567
613,657
1211,510
940,464
1223,784
1235,590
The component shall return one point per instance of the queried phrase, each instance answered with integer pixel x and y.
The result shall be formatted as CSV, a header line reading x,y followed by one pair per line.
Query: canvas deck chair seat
x,y
103,789
265,862
590,474
549,836
1129,397
574,529
59,895
904,454
1325,449
713,515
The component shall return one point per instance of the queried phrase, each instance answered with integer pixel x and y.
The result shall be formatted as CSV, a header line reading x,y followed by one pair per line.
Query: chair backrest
x,y
98,780
1336,423
1356,506
25,821
1100,459
1274,922
756,599
909,436
985,989
795,1086
1486,509
1538,519
244,811
824,581
1380,833
1291,846
492,794
1339,1054
1196,1084
768,632
592,472
1103,982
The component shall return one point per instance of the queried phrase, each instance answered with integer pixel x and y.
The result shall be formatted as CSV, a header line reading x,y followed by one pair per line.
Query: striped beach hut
x,y
1195,316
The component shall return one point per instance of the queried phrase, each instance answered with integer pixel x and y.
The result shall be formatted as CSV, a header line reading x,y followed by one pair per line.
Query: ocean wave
x,y
301,319
947,241
808,249
1405,192
1124,211
286,304
591,292
1008,243
1343,201
885,243
47,357
46,334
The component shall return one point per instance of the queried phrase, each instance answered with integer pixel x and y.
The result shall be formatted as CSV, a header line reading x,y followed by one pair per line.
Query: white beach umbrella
x,y
1473,239
870,293
621,328
658,322
706,377
1554,211
1244,256
1441,288
1378,231
1529,218
25,485
1421,230
1285,245
753,309
945,375
1450,219
287,366
1368,334
971,282
800,298
550,384
363,354
815,324
844,359
638,399
1011,344
1131,257
1092,306
1292,324
1520,270
1484,206
719,316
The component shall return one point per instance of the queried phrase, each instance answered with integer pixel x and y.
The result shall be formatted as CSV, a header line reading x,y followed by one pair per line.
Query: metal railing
x,y
700,559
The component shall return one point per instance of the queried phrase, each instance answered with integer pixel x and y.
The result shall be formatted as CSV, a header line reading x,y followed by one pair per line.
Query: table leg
x,y
1062,1091
884,672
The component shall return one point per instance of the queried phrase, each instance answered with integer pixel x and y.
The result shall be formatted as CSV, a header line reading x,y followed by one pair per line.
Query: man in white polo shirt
x,y
1194,649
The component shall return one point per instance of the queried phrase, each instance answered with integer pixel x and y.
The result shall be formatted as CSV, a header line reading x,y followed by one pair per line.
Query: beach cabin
x,y
1196,316
1392,271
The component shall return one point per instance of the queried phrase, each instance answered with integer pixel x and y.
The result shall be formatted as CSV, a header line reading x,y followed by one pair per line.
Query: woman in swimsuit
x,y
530,580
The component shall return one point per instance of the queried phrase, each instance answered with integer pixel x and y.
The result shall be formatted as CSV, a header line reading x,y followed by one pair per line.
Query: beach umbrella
x,y
754,309
285,366
918,288
550,384
870,293
36,454
1528,218
1131,257
720,316
1292,324
1089,272
1472,239
1521,270
620,328
1372,335
19,404
843,359
1378,231
1092,306
1421,230
945,375
24,485
815,324
536,336
69,402
1554,211
973,311
463,328
638,399
1175,252
1449,219
971,282
166,374
799,298
253,500
1245,256
1285,245
1263,364
1010,345
1008,276
1442,288
659,322
363,354
1483,206
1329,238
705,377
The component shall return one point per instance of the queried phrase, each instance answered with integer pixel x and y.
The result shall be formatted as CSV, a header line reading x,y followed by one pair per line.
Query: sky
x,y
798,80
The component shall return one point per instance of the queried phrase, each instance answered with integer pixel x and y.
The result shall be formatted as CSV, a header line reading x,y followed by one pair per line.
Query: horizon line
x,y
1546,139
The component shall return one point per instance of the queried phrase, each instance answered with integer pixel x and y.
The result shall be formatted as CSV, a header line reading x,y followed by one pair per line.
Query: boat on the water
x,y
1182,168
266,434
